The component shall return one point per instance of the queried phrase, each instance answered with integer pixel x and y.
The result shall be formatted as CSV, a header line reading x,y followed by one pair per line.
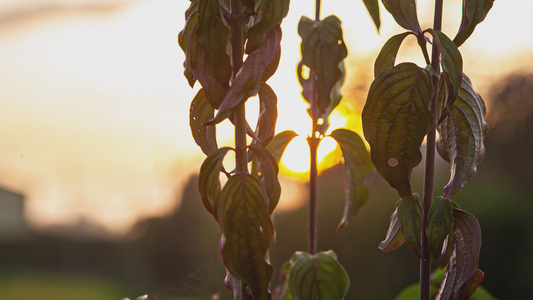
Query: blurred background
x,y
98,195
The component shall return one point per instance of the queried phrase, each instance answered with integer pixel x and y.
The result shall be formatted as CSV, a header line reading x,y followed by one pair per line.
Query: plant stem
x,y
425,262
241,165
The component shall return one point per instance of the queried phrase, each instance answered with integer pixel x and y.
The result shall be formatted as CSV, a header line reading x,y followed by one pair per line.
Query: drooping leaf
x,y
269,13
358,172
404,12
387,56
279,143
317,276
323,51
395,120
372,7
268,114
200,112
451,62
474,12
439,225
191,24
213,33
461,137
208,179
248,232
394,238
269,174
410,216
462,275
447,249
249,78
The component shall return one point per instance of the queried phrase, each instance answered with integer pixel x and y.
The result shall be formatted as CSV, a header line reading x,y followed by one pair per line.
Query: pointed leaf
x,y
317,276
462,272
373,9
191,25
451,61
394,238
395,120
439,225
249,78
248,232
474,12
410,216
447,249
200,112
269,174
323,51
404,12
461,137
279,143
387,56
269,13
266,123
208,179
358,172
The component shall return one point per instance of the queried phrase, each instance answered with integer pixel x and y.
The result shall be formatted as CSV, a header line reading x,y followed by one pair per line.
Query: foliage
x,y
405,104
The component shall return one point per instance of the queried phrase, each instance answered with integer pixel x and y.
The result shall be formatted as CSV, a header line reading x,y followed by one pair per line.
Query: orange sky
x,y
94,106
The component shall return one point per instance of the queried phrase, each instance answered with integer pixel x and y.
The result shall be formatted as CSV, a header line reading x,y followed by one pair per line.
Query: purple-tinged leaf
x,y
387,56
269,174
208,179
394,238
268,114
200,112
462,275
269,13
439,225
248,232
372,7
249,78
447,249
410,216
474,12
323,51
213,33
358,172
317,276
396,118
451,62
404,12
461,137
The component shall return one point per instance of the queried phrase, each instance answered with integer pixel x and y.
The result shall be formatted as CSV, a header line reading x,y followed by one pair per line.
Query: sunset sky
x,y
94,105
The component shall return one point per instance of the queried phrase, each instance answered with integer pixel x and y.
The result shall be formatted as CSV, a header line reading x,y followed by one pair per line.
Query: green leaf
x,y
191,24
269,13
268,114
279,143
439,225
394,238
447,249
323,51
317,276
395,120
208,179
410,216
214,35
249,78
462,275
372,7
282,291
268,174
200,112
248,232
451,61
461,137
404,12
474,12
358,172
387,56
